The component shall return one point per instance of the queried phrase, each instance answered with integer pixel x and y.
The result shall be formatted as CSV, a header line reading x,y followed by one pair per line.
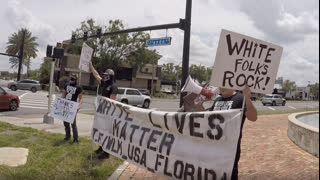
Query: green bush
x,y
160,95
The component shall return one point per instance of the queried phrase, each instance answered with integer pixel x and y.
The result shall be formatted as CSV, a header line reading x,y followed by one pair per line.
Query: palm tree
x,y
29,47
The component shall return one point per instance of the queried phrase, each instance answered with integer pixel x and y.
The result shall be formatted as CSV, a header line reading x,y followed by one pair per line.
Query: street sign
x,y
158,42
13,59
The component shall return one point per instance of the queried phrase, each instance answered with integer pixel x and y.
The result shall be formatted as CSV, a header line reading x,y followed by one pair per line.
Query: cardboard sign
x,y
64,110
85,57
193,145
244,60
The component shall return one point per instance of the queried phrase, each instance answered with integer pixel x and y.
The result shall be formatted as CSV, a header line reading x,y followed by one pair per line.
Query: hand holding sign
x,y
85,57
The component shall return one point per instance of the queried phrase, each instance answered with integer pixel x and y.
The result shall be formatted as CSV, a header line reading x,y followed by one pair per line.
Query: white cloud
x,y
293,24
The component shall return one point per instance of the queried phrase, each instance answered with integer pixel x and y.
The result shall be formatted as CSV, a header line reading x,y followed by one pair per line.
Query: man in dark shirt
x,y
231,99
109,90
72,92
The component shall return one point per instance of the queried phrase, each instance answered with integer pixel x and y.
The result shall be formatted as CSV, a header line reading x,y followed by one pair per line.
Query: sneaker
x,y
99,150
103,155
75,141
66,138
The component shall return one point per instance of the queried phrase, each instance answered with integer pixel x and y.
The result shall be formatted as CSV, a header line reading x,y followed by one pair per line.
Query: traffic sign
x,y
158,42
13,59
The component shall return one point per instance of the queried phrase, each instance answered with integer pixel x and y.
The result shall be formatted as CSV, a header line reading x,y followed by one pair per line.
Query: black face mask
x,y
73,82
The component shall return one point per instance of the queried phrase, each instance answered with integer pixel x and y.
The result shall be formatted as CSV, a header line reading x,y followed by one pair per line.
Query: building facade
x,y
126,76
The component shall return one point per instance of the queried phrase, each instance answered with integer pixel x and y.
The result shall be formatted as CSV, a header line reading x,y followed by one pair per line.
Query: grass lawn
x,y
52,158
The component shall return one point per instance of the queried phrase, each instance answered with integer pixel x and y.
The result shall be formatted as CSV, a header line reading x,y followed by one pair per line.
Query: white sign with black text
x,y
85,57
244,60
177,145
64,110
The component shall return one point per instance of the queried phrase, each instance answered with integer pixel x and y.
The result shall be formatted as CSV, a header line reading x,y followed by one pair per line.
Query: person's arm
x,y
251,111
114,92
80,101
95,73
64,93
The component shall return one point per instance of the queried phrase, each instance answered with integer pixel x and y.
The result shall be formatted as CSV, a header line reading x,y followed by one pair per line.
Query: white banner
x,y
85,57
64,110
177,145
242,59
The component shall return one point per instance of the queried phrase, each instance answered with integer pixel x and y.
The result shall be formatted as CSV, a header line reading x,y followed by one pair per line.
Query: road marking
x,y
33,107
272,108
32,104
22,95
292,107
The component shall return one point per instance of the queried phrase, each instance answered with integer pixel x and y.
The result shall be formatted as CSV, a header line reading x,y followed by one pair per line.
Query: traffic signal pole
x,y
184,24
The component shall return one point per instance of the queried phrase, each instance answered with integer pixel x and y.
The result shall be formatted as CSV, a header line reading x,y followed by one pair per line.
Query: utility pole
x,y
186,48
21,54
183,24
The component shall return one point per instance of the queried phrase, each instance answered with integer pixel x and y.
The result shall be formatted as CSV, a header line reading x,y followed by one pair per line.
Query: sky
x,y
292,24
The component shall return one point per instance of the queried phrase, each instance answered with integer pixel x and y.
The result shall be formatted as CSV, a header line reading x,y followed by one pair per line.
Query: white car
x,y
273,99
133,97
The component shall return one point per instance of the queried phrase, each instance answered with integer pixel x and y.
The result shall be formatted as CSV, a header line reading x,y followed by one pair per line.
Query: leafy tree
x,y
168,72
29,47
45,71
34,74
288,86
314,89
141,57
199,73
111,51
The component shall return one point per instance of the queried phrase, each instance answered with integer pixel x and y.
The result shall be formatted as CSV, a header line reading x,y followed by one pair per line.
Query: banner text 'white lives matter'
x,y
195,145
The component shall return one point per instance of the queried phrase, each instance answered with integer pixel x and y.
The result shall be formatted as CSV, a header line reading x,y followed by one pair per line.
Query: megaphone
x,y
191,86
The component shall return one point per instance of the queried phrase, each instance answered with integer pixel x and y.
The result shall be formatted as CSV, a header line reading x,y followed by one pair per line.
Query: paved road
x,y
37,103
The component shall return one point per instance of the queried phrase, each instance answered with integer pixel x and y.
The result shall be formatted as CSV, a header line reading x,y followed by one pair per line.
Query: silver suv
x,y
133,97
31,85
273,99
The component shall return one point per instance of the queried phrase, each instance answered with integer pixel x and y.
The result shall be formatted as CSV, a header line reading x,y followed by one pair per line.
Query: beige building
x,y
126,76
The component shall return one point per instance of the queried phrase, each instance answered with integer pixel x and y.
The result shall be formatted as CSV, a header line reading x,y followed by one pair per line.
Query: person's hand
x,y
90,65
246,91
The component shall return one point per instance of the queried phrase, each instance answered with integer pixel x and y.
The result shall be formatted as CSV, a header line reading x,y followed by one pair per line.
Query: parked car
x,y
31,85
133,97
8,101
273,99
145,92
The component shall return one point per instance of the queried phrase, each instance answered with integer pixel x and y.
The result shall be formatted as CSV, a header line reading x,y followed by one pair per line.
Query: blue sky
x,y
292,24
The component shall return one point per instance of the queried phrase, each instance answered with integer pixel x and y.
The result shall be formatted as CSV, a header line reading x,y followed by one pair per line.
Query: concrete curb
x,y
117,173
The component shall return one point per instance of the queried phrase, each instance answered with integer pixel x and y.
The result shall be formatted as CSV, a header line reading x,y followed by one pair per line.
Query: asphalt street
x,y
37,103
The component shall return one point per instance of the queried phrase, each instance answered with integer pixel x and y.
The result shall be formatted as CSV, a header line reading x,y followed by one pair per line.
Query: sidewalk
x,y
84,123
267,152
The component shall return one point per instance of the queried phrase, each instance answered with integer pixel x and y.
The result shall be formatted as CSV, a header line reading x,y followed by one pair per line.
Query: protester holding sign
x,y
109,90
72,92
230,99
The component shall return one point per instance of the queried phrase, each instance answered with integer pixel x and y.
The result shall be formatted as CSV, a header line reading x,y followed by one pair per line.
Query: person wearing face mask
x,y
230,99
72,92
109,90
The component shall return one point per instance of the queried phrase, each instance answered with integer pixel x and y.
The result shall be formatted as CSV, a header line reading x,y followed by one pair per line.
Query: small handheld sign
x,y
85,57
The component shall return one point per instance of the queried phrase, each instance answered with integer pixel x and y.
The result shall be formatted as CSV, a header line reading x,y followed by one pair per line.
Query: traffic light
x,y
99,32
58,53
73,38
49,51
275,91
85,36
